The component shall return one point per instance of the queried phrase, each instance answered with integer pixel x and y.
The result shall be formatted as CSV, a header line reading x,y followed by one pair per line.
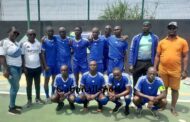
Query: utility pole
x,y
142,10
28,13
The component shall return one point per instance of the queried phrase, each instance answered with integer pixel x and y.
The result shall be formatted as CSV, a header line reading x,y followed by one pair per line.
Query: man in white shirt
x,y
11,59
31,56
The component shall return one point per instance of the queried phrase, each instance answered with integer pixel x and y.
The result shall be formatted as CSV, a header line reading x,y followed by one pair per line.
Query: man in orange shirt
x,y
170,52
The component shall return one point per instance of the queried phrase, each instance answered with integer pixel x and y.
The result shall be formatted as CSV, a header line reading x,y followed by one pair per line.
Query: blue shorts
x,y
50,72
79,66
58,67
115,63
105,63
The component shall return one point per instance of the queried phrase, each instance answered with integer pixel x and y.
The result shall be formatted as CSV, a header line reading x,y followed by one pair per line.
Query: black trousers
x,y
140,69
30,75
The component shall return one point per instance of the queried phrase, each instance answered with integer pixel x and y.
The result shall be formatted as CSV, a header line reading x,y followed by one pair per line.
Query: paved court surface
x,y
47,113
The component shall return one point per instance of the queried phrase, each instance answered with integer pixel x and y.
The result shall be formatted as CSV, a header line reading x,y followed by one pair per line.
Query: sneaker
x,y
29,104
72,106
40,101
155,113
59,106
126,112
13,111
18,107
48,101
139,112
117,107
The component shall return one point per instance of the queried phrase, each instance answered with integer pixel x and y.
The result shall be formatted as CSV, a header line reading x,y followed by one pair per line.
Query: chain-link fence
x,y
89,9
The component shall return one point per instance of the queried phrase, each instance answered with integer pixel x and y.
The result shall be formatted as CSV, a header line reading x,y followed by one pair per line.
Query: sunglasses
x,y
171,28
16,33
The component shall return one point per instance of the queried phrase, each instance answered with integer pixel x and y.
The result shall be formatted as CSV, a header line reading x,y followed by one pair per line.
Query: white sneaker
x,y
40,101
48,101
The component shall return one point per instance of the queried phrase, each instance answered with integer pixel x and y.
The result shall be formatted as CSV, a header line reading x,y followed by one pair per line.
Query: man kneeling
x,y
146,91
119,86
92,85
65,87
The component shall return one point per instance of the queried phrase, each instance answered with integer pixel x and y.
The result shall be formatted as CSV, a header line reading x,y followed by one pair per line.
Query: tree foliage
x,y
121,11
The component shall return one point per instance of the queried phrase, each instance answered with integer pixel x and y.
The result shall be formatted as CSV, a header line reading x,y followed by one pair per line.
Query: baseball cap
x,y
172,24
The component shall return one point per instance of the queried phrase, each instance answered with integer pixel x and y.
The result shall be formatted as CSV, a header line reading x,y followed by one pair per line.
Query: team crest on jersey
x,y
93,81
149,87
118,84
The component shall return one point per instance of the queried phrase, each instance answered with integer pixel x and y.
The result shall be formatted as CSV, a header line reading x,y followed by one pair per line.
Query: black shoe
x,y
13,111
117,107
100,106
72,106
86,104
29,104
18,107
59,106
126,112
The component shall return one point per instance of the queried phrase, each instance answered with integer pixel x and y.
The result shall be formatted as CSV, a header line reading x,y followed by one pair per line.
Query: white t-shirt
x,y
2,52
31,53
12,52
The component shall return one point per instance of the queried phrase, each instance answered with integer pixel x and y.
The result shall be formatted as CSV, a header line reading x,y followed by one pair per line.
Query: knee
x,y
71,98
164,102
104,100
174,90
80,99
55,98
136,99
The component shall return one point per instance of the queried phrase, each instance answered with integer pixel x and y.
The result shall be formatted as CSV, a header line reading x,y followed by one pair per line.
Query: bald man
x,y
92,86
64,88
117,50
97,49
63,46
49,59
150,89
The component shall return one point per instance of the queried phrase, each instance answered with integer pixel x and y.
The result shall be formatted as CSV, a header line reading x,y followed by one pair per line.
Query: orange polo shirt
x,y
171,51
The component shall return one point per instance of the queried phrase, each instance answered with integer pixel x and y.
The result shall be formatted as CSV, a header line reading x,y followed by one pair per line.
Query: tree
x,y
121,11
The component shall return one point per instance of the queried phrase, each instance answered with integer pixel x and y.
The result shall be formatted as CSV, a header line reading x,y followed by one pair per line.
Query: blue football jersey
x,y
49,47
80,49
117,48
145,87
64,85
92,84
97,50
119,86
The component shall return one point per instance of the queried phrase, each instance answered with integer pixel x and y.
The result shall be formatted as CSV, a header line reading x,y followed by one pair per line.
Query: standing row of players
x,y
108,51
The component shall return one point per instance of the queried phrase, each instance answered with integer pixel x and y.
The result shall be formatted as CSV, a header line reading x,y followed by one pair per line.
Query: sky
x,y
12,10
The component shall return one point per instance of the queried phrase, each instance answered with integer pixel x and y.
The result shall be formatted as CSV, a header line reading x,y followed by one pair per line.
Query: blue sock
x,y
117,102
53,90
139,106
47,92
127,102
154,108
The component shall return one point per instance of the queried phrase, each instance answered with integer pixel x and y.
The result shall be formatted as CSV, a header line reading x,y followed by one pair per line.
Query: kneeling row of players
x,y
149,89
